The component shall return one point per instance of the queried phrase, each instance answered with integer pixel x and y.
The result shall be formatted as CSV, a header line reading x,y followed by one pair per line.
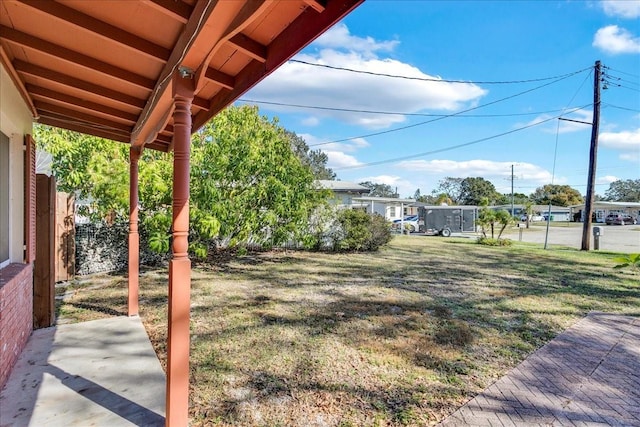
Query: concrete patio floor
x,y
98,373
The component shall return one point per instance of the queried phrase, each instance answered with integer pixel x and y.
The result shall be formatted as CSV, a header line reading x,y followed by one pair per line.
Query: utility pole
x,y
512,213
593,155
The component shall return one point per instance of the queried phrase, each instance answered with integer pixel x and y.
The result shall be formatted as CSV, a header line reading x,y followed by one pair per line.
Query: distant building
x,y
602,209
558,213
351,195
390,207
343,192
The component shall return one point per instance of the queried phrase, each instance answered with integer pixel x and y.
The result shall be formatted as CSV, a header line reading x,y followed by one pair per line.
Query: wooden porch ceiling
x,y
104,67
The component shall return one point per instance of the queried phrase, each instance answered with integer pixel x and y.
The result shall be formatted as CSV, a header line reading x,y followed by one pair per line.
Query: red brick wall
x,y
16,314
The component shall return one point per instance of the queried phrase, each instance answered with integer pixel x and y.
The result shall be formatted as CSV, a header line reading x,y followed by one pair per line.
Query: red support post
x,y
180,265
134,236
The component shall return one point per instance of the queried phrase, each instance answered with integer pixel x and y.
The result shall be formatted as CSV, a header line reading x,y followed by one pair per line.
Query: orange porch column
x,y
134,236
180,265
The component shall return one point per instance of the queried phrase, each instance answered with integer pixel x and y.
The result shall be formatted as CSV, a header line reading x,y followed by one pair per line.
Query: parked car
x,y
619,219
532,218
410,223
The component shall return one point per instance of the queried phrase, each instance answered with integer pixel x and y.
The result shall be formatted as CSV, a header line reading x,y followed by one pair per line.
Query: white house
x,y
602,209
389,207
17,223
343,192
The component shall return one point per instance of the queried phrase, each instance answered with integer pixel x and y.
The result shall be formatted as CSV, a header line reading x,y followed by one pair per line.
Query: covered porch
x,y
103,372
149,74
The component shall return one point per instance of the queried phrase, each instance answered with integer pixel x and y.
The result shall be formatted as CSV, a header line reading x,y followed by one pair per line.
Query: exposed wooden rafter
x,y
200,13
52,95
177,9
129,91
25,40
89,130
45,107
316,5
220,78
63,79
103,29
249,47
307,26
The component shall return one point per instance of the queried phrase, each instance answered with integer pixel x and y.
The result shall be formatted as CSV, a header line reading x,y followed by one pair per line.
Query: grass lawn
x,y
399,337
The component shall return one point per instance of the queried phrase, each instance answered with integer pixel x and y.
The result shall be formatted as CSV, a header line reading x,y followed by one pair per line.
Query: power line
x,y
390,113
627,87
621,108
427,79
443,117
570,185
622,72
454,147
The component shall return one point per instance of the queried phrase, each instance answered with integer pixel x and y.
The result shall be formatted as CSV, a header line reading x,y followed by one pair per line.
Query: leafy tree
x,y
528,209
450,186
624,191
316,160
473,190
558,195
443,199
486,220
518,199
100,180
379,190
247,185
490,219
424,198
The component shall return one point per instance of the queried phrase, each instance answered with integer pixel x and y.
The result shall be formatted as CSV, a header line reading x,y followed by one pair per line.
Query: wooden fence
x,y
55,247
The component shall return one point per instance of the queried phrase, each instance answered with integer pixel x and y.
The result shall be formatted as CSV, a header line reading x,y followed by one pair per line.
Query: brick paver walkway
x,y
588,376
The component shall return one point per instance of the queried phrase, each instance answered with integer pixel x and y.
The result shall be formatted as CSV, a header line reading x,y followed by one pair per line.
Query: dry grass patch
x,y
399,337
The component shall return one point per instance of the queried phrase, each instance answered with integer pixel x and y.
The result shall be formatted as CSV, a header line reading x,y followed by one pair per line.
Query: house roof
x,y
387,200
105,67
535,208
611,205
342,186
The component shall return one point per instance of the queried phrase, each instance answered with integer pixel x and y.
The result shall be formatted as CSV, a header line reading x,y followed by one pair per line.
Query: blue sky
x,y
479,45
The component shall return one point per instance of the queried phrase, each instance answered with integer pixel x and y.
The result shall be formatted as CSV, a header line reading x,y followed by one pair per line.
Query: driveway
x,y
616,238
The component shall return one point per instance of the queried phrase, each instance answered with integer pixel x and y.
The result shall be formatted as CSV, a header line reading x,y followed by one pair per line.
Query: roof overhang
x,y
104,67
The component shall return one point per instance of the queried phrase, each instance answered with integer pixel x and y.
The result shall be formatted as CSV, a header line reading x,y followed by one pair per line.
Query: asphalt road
x,y
616,238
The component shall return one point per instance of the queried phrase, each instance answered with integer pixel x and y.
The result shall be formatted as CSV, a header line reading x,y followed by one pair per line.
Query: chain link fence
x,y
103,248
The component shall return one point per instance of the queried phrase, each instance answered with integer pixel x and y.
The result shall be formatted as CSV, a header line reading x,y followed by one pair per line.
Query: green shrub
x,y
631,261
361,231
487,241
380,232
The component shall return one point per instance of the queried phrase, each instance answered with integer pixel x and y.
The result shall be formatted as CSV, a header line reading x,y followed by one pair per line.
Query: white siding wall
x,y
15,122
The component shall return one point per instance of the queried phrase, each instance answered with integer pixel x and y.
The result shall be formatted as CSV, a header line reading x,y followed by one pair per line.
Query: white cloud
x,y
607,179
337,152
615,40
296,83
625,140
622,8
338,159
484,168
340,38
628,142
565,126
631,157
311,121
